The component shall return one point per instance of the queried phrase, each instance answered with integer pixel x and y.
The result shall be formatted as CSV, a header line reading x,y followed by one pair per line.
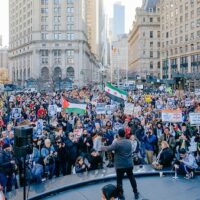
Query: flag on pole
x,y
73,107
115,93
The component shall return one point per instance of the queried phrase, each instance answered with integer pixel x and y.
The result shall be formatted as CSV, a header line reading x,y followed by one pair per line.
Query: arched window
x,y
70,73
45,73
57,73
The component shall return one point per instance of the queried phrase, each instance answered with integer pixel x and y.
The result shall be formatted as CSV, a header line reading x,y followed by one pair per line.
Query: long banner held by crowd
x,y
115,93
70,107
172,116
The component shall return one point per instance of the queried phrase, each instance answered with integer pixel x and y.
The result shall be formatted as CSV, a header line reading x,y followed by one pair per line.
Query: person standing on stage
x,y
123,162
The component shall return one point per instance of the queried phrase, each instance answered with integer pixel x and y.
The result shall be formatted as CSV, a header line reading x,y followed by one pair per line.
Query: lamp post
x,y
102,76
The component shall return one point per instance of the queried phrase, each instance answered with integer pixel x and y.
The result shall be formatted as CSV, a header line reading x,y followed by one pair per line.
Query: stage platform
x,y
59,188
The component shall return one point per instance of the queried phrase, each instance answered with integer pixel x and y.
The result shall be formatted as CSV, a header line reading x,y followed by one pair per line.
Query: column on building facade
x,y
50,61
35,68
169,68
179,64
63,63
189,64
161,69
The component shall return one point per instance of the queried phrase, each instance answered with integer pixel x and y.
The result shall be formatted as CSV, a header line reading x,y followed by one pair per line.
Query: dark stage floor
x,y
150,188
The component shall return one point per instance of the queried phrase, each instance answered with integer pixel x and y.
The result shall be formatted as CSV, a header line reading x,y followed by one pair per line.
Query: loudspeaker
x,y
23,142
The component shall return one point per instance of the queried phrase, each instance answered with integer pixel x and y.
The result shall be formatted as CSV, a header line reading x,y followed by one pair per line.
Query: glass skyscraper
x,y
118,20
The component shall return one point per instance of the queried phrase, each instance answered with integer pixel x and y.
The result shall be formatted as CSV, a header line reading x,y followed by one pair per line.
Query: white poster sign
x,y
129,107
188,102
39,126
100,109
173,116
16,113
52,110
194,118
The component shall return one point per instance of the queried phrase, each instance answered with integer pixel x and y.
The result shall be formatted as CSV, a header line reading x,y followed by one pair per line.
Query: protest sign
x,y
16,113
171,103
197,91
173,116
137,109
39,127
128,109
148,98
188,102
52,110
100,109
110,109
194,118
139,87
59,109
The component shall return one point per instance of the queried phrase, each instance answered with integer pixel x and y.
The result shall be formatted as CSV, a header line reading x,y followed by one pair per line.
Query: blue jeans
x,y
50,168
37,172
183,169
142,150
3,180
6,182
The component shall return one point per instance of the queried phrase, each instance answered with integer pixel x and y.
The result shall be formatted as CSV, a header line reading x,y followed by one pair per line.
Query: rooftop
x,y
149,4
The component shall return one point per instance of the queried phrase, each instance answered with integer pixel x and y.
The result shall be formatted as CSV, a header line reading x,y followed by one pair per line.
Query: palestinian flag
x,y
115,93
73,106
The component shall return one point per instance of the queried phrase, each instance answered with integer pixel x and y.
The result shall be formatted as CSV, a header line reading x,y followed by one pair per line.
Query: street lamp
x,y
101,71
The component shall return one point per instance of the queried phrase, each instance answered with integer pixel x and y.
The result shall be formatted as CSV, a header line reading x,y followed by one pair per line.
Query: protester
x,y
186,165
109,192
123,162
60,136
81,166
164,158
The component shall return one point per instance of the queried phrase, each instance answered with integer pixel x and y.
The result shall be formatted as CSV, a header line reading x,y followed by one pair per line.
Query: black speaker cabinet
x,y
23,143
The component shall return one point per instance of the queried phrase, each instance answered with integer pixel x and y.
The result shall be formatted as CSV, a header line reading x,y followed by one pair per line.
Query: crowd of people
x,y
66,143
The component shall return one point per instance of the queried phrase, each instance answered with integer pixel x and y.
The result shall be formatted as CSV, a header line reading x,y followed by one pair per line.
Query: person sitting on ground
x,y
135,150
164,158
81,166
109,192
95,160
186,165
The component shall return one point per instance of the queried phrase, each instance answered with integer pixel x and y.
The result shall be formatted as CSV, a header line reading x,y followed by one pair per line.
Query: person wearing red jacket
x,y
41,112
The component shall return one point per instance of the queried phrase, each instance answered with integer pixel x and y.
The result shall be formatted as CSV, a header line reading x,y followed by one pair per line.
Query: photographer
x,y
85,144
7,168
62,158
37,168
150,141
48,153
95,160
186,165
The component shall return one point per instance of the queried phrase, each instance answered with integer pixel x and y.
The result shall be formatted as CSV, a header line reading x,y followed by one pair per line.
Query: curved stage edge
x,y
63,184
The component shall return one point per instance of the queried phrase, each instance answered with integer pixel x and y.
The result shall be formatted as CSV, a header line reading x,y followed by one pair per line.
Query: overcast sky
x,y
130,13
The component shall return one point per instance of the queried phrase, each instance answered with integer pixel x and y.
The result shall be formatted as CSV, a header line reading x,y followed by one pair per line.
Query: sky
x,y
130,13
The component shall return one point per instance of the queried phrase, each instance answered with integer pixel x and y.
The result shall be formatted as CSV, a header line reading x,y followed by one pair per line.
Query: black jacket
x,y
83,148
166,157
5,163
